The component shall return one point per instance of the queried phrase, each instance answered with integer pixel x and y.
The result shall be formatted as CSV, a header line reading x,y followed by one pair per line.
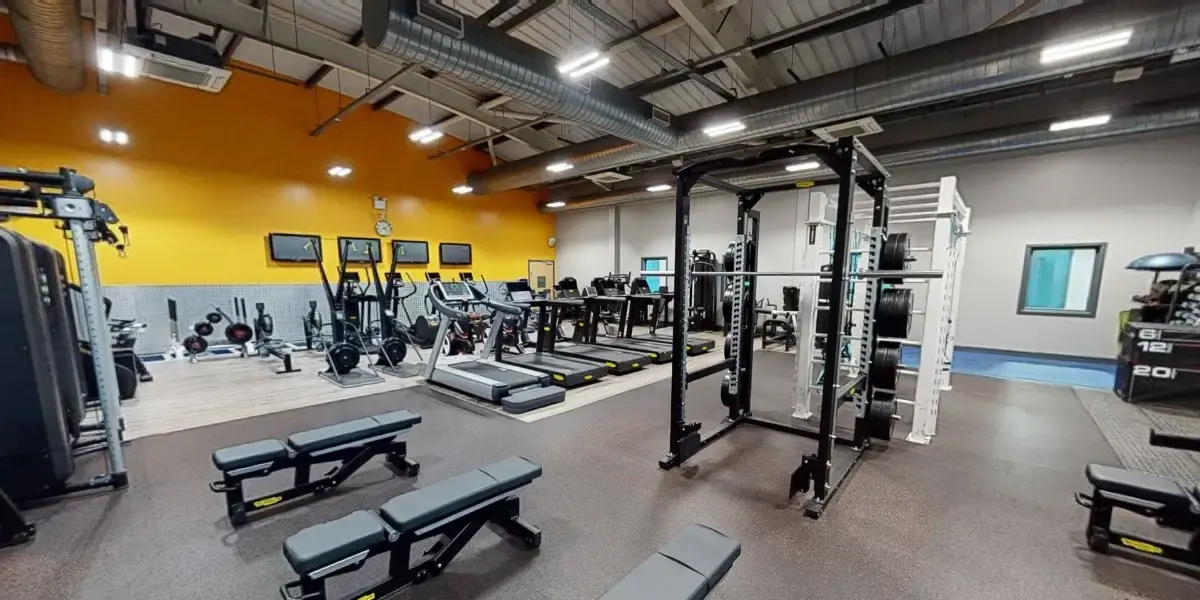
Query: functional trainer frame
x,y
845,158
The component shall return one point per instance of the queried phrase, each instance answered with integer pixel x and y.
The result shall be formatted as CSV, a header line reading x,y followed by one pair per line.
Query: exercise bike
x,y
1170,504
345,347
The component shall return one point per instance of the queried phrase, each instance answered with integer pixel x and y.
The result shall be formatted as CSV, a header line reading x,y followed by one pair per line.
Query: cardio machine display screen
x,y
410,252
455,290
359,250
290,247
455,254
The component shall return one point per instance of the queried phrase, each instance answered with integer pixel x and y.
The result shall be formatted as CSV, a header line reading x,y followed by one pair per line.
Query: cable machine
x,y
874,417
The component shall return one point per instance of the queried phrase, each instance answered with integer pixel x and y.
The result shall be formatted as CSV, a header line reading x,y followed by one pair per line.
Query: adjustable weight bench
x,y
687,568
1166,501
452,510
351,443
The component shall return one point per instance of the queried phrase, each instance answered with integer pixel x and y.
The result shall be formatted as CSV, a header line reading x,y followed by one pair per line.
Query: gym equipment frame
x,y
450,511
14,529
62,196
816,471
1164,500
351,443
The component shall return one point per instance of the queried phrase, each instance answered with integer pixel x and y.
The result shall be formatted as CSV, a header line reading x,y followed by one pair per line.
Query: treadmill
x,y
567,372
514,388
618,362
657,351
641,293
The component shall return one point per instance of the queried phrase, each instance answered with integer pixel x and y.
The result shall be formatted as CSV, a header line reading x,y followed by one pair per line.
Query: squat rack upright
x,y
846,158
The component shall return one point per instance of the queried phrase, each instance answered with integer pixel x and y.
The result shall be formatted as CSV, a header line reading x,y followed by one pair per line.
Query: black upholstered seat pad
x,y
245,455
427,505
703,550
327,543
1138,485
331,436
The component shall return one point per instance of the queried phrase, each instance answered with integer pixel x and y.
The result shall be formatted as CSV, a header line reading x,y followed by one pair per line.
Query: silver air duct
x,y
1119,126
989,60
50,33
473,52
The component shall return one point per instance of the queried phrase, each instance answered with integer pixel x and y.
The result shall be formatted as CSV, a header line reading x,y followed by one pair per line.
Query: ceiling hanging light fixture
x,y
1093,121
425,135
662,187
724,128
804,166
1091,45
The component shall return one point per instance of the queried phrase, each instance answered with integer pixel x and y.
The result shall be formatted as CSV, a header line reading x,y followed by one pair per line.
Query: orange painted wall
x,y
207,176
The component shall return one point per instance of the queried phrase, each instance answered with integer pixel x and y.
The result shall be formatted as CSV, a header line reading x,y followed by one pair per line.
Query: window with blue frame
x,y
1061,279
655,263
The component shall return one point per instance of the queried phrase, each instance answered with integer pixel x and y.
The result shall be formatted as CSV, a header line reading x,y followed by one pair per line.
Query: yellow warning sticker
x,y
367,597
653,355
1141,546
635,365
558,377
268,501
611,365
587,377
805,184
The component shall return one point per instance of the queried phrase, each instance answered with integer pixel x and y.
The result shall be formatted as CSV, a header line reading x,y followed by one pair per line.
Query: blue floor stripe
x,y
1062,371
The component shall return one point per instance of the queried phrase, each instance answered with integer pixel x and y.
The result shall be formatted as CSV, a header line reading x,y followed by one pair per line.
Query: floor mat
x,y
1003,365
1127,429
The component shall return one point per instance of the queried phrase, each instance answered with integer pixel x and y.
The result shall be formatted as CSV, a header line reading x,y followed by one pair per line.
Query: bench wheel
x,y
1098,542
237,516
533,542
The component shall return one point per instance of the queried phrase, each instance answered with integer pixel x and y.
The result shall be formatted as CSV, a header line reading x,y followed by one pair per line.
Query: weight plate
x,y
728,345
213,317
393,350
880,416
127,382
893,312
885,365
727,397
342,358
895,251
202,328
238,333
195,344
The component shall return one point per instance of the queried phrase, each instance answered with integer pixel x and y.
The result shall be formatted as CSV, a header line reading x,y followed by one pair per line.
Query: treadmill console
x,y
519,291
455,291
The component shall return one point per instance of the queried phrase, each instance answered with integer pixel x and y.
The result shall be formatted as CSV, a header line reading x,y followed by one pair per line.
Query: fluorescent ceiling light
x,y
662,187
560,167
106,136
724,128
462,189
1080,123
121,138
592,66
425,135
1092,45
339,171
567,66
804,166
558,204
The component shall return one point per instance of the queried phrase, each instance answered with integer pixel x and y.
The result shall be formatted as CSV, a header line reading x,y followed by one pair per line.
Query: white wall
x,y
1139,197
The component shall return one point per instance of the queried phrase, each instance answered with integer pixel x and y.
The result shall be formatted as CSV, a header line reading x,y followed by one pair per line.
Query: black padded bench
x,y
351,443
452,510
1164,500
687,568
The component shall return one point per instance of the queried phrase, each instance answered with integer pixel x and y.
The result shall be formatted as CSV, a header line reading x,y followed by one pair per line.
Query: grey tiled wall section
x,y
286,303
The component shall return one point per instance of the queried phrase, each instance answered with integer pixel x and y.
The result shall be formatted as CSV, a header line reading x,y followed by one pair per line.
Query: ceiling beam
x,y
720,31
310,41
532,12
323,70
493,13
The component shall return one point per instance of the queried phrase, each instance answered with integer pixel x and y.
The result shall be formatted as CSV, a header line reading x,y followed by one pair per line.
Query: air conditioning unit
x,y
660,116
607,177
857,128
192,63
435,15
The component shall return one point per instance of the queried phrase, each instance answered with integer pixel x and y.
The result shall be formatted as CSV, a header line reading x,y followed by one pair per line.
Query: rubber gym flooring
x,y
984,512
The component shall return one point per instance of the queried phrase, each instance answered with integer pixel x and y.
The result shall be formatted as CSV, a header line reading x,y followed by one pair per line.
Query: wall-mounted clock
x,y
383,228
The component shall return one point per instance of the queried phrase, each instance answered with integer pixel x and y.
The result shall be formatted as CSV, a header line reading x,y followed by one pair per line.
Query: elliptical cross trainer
x,y
342,356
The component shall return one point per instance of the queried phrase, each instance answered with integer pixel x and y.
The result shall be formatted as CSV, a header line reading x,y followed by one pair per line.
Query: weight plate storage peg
x,y
213,317
881,416
202,328
239,333
342,358
885,365
195,344
893,312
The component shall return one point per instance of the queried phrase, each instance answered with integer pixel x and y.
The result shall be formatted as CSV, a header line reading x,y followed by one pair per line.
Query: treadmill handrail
x,y
441,306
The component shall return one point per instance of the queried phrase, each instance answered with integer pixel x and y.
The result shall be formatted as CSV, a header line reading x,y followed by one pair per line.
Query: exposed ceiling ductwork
x,y
1161,120
989,60
50,36
490,58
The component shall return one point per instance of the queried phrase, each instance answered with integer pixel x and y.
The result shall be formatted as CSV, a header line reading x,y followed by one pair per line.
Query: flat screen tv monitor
x,y
455,254
359,250
410,252
292,247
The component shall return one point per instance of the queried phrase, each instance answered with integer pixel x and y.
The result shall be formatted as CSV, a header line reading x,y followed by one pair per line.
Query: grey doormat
x,y
1127,429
